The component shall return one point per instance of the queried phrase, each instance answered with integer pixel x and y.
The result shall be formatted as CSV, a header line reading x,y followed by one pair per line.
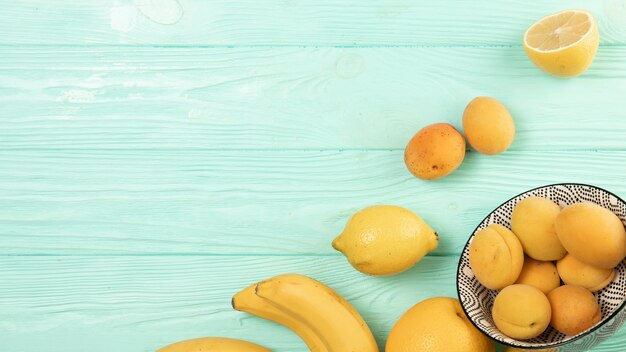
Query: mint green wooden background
x,y
156,157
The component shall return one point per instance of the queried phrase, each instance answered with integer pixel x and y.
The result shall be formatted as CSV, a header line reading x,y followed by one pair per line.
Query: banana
x,y
246,300
337,324
214,344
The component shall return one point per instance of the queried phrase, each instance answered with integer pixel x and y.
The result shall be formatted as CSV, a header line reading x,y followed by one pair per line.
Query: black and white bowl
x,y
477,300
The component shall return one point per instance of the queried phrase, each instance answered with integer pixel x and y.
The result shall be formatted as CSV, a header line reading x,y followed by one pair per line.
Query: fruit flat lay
x,y
284,175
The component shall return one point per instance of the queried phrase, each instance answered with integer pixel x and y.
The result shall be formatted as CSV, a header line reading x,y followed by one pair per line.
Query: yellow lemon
x,y
563,44
437,325
385,240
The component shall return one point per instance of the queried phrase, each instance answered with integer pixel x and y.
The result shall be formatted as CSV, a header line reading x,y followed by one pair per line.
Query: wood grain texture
x,y
140,303
136,304
294,98
255,202
290,22
156,156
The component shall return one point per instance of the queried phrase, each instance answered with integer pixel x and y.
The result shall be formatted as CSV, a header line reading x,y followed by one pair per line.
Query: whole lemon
x,y
437,325
385,240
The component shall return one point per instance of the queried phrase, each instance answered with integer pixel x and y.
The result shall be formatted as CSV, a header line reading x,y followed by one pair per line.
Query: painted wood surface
x,y
151,301
290,22
294,98
139,303
156,156
255,202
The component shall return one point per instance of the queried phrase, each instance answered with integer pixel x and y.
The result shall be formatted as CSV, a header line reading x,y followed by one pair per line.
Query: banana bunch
x,y
323,319
213,344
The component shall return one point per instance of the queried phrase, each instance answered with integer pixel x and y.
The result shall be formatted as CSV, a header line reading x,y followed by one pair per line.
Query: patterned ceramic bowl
x,y
477,300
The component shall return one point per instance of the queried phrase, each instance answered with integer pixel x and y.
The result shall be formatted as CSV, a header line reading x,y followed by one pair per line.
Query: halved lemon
x,y
563,44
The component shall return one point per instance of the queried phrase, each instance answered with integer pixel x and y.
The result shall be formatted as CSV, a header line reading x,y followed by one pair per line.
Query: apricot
x,y
592,234
521,311
488,125
575,272
542,275
496,257
574,309
533,223
435,151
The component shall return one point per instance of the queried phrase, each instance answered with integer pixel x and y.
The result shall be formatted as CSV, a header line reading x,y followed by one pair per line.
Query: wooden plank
x,y
140,303
254,202
291,98
290,22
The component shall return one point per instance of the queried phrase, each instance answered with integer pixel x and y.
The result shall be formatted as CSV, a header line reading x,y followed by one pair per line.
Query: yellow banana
x,y
246,300
214,344
330,316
